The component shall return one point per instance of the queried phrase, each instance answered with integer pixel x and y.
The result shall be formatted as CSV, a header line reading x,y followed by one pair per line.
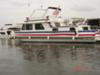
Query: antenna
x,y
41,6
28,7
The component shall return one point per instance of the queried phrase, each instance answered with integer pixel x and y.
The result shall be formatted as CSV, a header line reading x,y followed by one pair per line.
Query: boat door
x,y
72,29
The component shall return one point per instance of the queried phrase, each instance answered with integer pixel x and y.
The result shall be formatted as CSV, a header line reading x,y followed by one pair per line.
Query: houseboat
x,y
54,29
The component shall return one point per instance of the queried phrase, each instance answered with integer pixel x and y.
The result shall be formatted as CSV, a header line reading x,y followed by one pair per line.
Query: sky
x,y
13,11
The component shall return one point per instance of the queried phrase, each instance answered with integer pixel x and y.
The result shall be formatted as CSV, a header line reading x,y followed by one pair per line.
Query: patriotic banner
x,y
56,12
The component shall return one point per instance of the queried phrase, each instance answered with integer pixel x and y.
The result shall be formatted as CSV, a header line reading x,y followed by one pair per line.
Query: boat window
x,y
39,26
27,27
55,29
8,32
85,28
72,29
57,24
2,33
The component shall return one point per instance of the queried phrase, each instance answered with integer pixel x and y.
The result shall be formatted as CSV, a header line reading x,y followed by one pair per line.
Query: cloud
x,y
18,3
12,3
82,8
3,0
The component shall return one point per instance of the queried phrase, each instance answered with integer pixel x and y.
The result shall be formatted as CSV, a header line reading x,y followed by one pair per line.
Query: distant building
x,y
8,24
94,22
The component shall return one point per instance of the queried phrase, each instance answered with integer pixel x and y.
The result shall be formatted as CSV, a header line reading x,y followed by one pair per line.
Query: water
x,y
48,58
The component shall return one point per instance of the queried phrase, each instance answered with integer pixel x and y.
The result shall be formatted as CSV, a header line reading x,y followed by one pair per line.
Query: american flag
x,y
56,12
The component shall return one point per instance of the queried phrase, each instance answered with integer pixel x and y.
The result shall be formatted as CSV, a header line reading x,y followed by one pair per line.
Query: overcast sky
x,y
12,11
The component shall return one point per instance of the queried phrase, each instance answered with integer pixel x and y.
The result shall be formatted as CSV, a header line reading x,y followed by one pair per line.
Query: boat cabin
x,y
44,25
52,26
6,34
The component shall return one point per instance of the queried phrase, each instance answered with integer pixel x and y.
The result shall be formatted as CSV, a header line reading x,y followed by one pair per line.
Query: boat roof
x,y
55,8
42,20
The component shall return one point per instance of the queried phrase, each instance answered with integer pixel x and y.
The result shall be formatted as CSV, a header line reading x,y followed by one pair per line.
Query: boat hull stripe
x,y
86,34
20,35
45,34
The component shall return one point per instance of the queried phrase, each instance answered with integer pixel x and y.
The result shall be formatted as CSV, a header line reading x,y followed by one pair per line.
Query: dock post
x,y
73,38
29,37
48,37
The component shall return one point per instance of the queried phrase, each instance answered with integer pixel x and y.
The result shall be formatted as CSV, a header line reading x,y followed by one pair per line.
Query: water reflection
x,y
50,58
43,51
81,54
73,53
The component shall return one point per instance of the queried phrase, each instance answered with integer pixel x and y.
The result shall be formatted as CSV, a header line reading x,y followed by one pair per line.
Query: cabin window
x,y
85,28
27,27
57,24
39,26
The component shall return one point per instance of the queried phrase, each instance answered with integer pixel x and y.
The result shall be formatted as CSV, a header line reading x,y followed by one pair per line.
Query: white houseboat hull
x,y
56,37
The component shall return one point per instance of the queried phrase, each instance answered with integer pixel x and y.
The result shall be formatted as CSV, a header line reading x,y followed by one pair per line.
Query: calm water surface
x,y
48,59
